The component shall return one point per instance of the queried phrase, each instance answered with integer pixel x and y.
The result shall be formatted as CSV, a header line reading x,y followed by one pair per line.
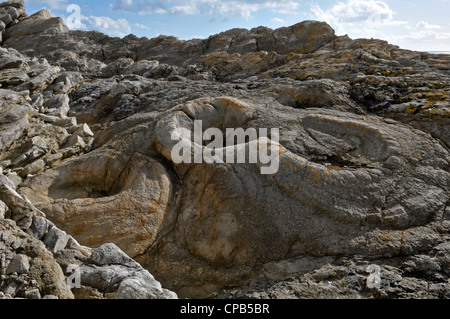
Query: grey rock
x,y
73,245
11,289
68,122
30,155
58,105
13,122
110,254
56,240
83,136
15,179
6,18
53,159
145,288
6,181
447,213
116,68
38,23
111,270
40,227
38,102
141,67
30,265
33,294
37,146
84,131
13,78
308,36
20,264
22,211
39,83
424,264
442,253
10,61
74,140
33,168
66,83
18,4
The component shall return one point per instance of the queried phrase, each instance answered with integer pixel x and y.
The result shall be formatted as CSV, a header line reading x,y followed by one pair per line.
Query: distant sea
x,y
439,52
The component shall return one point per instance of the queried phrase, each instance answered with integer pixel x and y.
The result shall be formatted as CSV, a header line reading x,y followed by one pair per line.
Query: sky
x,y
411,24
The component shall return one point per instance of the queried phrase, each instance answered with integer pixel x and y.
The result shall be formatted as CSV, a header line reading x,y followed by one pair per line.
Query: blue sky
x,y
411,24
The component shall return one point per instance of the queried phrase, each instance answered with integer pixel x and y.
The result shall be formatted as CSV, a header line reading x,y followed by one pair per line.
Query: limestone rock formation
x,y
37,260
87,128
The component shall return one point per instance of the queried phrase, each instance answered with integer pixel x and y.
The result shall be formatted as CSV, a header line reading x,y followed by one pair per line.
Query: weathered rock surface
x,y
86,132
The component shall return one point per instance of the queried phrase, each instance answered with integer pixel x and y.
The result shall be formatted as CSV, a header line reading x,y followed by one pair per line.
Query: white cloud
x,y
353,11
428,35
77,21
141,7
196,37
185,9
363,13
423,25
423,36
277,20
215,8
50,4
106,25
423,40
141,26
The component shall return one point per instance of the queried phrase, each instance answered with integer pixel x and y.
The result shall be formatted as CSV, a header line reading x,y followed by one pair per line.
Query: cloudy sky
x,y
411,24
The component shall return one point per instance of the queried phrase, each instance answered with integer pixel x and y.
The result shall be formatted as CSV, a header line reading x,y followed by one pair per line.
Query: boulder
x,y
56,240
22,211
19,264
116,272
304,37
58,105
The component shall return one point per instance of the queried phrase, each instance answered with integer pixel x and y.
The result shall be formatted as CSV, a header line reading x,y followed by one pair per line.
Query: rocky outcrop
x,y
349,280
91,52
28,268
11,13
38,260
87,128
